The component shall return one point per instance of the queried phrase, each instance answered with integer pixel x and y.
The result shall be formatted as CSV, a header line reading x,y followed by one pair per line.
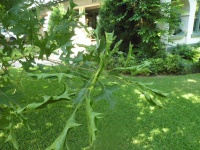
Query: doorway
x,y
91,16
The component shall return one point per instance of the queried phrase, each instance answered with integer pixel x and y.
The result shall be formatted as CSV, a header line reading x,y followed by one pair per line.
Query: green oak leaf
x,y
107,93
81,95
59,143
12,137
47,100
155,91
151,99
159,92
92,125
109,40
60,76
147,91
65,95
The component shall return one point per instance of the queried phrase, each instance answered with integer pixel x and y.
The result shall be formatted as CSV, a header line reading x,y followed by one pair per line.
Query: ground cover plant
x,y
131,123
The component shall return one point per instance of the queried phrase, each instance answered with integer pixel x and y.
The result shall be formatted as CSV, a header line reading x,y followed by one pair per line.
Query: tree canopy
x,y
137,21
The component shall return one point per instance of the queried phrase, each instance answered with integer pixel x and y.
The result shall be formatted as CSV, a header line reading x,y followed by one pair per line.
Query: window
x,y
197,20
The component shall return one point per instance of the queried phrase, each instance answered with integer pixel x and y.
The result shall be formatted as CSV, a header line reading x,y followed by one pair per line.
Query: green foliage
x,y
88,68
7,5
117,19
182,59
137,22
127,64
56,17
172,64
157,66
185,51
196,67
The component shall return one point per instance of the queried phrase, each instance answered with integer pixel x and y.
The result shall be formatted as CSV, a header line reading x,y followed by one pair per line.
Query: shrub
x,y
185,51
187,65
196,67
197,53
172,64
127,64
157,66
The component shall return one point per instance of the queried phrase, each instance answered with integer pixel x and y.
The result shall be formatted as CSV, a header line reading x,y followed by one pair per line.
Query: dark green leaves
x,y
72,4
60,76
137,22
6,97
107,93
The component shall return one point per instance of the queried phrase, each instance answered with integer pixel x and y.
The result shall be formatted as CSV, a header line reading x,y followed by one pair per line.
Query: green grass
x,y
133,124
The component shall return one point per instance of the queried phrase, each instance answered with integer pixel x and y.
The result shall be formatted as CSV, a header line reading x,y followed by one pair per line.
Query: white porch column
x,y
164,26
193,4
82,19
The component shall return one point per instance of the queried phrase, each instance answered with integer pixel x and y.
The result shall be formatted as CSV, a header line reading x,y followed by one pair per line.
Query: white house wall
x,y
190,40
187,25
83,3
185,16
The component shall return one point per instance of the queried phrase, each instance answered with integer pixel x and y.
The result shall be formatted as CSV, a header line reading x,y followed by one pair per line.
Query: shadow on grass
x,y
133,124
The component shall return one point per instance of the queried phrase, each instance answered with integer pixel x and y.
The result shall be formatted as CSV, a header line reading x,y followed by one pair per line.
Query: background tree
x,y
115,15
136,21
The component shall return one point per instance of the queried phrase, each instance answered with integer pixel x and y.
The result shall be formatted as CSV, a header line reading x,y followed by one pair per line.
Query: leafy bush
x,y
185,51
196,67
188,66
172,64
116,61
197,53
157,66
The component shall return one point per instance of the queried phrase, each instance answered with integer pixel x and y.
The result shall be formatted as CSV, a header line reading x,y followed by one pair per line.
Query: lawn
x,y
132,124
